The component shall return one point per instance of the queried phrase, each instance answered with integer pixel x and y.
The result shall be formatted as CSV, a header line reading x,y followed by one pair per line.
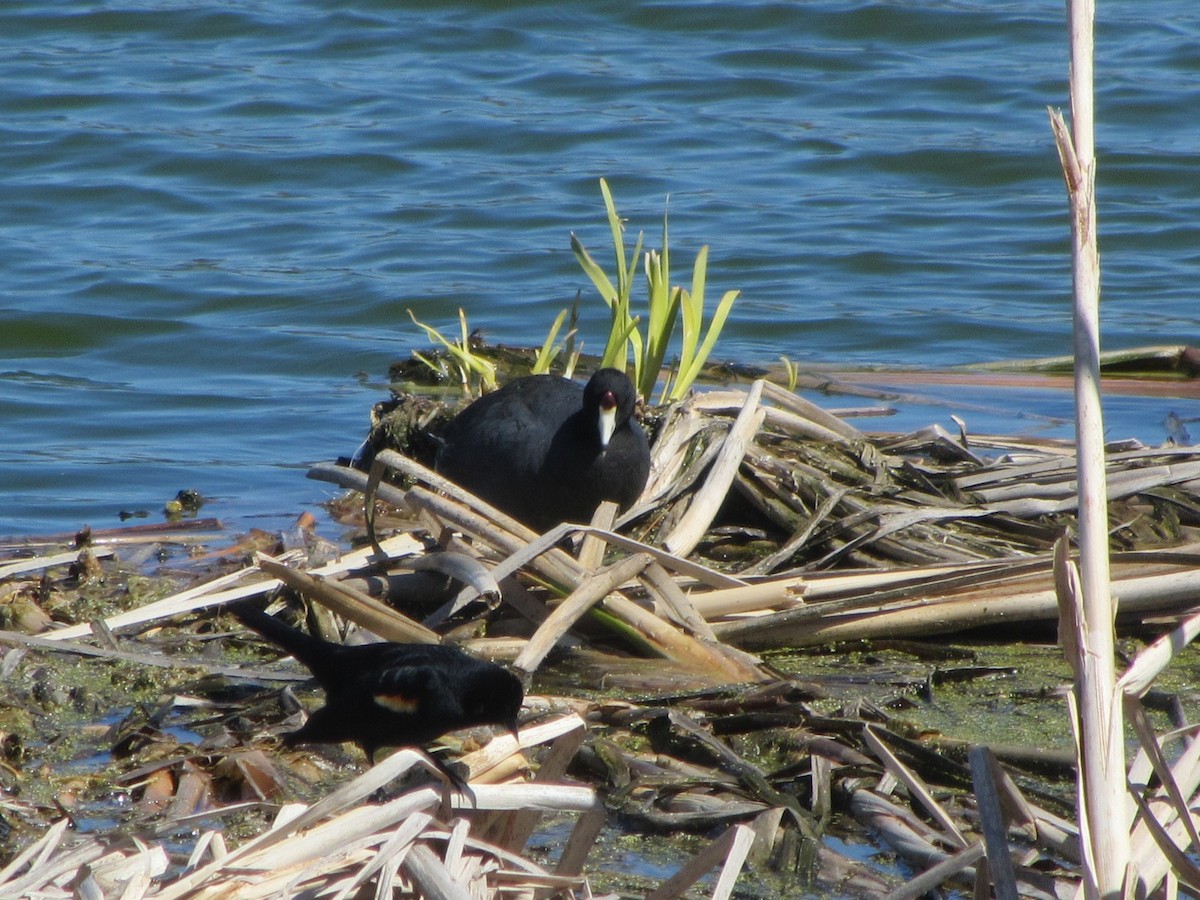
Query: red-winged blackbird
x,y
547,450
392,695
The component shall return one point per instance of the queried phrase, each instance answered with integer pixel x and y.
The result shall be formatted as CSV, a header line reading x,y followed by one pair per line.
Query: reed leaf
x,y
623,329
625,268
593,271
664,310
549,351
616,353
692,307
634,336
692,359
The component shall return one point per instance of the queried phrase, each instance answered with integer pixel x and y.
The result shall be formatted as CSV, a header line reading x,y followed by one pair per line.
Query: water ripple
x,y
216,215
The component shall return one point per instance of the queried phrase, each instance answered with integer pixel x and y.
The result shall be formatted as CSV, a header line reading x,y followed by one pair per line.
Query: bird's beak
x,y
512,727
608,419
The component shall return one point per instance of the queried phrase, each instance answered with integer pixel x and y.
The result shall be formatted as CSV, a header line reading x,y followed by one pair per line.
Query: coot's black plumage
x,y
392,695
547,450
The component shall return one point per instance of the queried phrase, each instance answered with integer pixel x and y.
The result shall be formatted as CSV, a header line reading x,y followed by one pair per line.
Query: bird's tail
x,y
318,655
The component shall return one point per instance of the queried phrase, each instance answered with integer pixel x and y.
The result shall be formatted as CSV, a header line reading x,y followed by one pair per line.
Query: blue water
x,y
214,215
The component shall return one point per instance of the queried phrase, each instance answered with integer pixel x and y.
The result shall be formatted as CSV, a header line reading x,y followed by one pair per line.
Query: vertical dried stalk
x,y
1102,798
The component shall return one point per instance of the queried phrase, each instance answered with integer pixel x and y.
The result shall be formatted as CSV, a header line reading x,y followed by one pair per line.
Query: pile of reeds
x,y
405,843
852,537
762,504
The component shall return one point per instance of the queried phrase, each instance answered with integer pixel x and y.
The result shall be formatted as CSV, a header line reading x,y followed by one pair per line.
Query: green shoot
x,y
664,310
623,331
468,362
666,305
571,352
692,359
549,350
572,361
793,373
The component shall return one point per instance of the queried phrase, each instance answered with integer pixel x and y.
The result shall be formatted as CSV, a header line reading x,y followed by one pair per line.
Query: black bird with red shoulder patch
x,y
388,694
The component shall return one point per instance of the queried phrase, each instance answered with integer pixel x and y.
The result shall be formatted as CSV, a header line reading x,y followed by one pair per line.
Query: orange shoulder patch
x,y
397,703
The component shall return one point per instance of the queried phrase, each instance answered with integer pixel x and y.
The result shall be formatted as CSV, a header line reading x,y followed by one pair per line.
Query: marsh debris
x,y
768,524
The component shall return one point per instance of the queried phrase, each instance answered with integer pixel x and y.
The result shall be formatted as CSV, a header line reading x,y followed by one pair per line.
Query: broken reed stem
x,y
1140,674
717,661
462,567
591,550
413,469
731,848
814,414
937,875
705,504
45,562
995,832
351,604
355,480
679,565
916,786
935,611
1151,865
569,611
676,604
550,563
203,596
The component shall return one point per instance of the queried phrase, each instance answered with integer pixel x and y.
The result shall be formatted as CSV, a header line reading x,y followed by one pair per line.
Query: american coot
x,y
547,450
392,695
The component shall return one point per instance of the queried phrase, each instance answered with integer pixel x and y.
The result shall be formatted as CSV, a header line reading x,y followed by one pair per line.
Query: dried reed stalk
x,y
567,613
933,610
45,562
205,595
353,605
729,850
688,531
1100,733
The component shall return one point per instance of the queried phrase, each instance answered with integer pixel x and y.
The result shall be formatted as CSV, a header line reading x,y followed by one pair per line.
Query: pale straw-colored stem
x,y
1102,792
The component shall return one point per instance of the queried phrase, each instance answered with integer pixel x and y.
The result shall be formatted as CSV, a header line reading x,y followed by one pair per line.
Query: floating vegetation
x,y
473,368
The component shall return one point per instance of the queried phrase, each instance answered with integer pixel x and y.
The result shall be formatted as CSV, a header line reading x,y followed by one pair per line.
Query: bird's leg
x,y
456,781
